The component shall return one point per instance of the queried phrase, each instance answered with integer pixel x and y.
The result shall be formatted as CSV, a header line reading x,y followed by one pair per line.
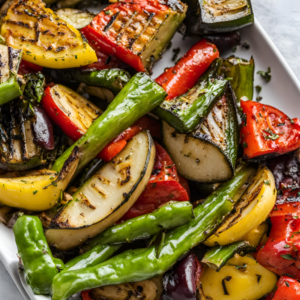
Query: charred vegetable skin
x,y
141,264
208,16
136,33
145,226
266,131
185,112
138,97
40,266
45,39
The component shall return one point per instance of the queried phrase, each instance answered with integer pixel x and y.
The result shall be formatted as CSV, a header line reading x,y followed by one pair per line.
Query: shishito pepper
x,y
45,39
267,131
141,264
40,266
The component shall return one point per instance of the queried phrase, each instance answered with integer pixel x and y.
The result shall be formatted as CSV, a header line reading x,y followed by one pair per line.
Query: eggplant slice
x,y
209,153
105,197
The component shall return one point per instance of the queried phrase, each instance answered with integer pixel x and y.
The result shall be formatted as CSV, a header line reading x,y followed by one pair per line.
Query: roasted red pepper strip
x,y
281,252
27,67
287,289
185,184
162,187
266,130
107,39
85,295
184,75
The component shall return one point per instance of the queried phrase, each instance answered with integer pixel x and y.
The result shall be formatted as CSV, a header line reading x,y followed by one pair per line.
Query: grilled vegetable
x,y
266,131
76,18
39,264
142,264
209,16
106,197
287,288
112,79
147,290
252,210
28,68
136,33
218,256
209,153
186,111
240,278
256,235
39,190
46,41
242,73
177,80
143,227
138,97
9,65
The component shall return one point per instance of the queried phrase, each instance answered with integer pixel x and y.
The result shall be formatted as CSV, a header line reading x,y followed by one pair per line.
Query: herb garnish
x,y
273,136
287,256
266,75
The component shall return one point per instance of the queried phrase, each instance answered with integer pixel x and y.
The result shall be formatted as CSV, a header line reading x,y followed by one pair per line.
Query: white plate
x,y
283,92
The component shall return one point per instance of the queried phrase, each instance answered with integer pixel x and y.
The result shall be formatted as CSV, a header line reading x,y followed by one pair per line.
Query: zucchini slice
x,y
209,153
106,197
242,73
75,17
211,16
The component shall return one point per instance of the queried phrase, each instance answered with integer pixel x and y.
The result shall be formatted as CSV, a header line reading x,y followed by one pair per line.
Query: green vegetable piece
x,y
143,227
185,112
94,256
142,264
266,75
10,89
34,87
217,256
137,98
39,264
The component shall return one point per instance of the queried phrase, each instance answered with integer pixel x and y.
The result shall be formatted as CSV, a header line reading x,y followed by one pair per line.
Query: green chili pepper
x,y
39,264
142,264
145,226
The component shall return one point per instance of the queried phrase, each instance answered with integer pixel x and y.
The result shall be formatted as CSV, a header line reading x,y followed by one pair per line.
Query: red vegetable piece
x,y
266,130
185,184
287,289
85,295
184,75
27,67
111,150
162,187
281,252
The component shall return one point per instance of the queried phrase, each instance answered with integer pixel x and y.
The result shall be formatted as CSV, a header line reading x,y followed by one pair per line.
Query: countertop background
x,y
281,20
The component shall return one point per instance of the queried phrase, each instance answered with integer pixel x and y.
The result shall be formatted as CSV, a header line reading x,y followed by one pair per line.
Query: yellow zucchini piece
x,y
242,278
252,210
255,236
46,40
39,190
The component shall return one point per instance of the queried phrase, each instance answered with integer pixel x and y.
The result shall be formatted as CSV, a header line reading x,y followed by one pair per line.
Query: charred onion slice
x,y
106,197
252,210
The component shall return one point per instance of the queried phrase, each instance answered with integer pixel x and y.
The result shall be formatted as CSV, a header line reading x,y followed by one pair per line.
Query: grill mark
x,y
98,190
86,201
128,175
19,23
37,31
120,34
59,49
111,21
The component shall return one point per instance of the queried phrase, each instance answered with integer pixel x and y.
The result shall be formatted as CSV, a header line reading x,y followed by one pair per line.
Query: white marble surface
x,y
281,20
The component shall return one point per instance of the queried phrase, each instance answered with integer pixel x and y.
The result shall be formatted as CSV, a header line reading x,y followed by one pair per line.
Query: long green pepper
x,y
142,264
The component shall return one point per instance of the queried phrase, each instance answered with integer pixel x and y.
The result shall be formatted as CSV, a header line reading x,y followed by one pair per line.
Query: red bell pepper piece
x,y
108,39
185,184
267,130
71,129
85,295
162,187
281,252
287,289
184,75
27,67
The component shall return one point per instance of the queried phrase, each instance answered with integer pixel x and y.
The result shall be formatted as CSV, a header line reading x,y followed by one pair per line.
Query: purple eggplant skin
x,y
42,129
181,282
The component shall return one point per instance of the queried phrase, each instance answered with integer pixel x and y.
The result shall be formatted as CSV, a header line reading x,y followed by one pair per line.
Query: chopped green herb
x,y
234,49
244,145
287,256
34,192
273,136
258,88
259,98
176,52
244,266
266,75
107,12
246,45
286,246
287,284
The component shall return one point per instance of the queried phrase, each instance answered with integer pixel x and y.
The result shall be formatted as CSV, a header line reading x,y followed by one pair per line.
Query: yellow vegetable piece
x,y
255,236
242,278
253,209
38,191
45,39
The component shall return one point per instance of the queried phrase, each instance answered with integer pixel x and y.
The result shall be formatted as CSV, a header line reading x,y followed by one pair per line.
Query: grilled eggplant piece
x,y
18,150
186,111
211,16
45,39
242,73
136,33
9,65
105,197
209,153
77,18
